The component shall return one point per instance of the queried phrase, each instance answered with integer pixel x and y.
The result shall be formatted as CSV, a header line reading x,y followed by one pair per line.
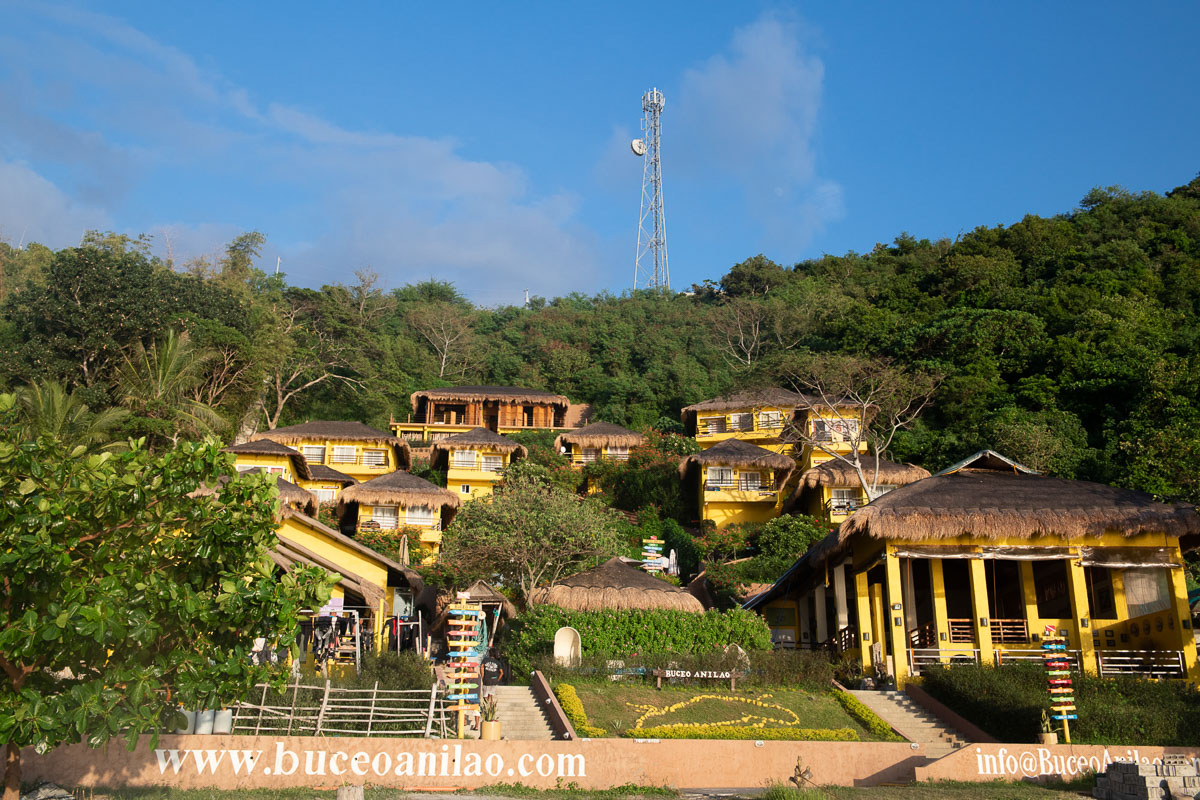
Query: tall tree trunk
x,y
12,772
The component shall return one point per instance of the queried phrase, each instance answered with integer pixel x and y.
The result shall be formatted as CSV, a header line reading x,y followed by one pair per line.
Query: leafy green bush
x,y
866,717
698,731
623,634
1007,702
572,706
649,478
405,670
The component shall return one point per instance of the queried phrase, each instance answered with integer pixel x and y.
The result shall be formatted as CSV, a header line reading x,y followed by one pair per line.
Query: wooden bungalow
x,y
272,457
596,441
832,491
736,481
974,563
474,460
351,448
438,413
614,585
397,501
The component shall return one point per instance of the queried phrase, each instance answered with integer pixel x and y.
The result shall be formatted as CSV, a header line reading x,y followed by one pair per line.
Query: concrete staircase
x,y
520,715
912,721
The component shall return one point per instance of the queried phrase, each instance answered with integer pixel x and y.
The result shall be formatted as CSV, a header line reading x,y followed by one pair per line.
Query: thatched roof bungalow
x,y
270,456
597,440
396,501
350,447
479,439
831,490
615,585
474,460
490,406
981,558
737,482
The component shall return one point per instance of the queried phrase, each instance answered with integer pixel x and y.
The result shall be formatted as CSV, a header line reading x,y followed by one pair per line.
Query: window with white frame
x,y
324,495
493,463
465,488
344,454
711,425
750,481
741,422
314,453
835,430
719,477
464,459
618,453
843,501
770,419
419,516
590,454
387,516
374,458
883,489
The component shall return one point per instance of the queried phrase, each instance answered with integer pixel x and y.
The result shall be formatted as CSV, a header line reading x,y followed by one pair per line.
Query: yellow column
x,y
862,600
839,596
1080,611
822,613
980,611
879,617
1187,638
379,618
941,618
894,619
1029,592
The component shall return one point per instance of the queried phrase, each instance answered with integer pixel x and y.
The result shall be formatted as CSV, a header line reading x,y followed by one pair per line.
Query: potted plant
x,y
489,728
1048,734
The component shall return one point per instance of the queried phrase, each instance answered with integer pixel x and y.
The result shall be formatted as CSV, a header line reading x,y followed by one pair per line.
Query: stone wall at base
x,y
227,762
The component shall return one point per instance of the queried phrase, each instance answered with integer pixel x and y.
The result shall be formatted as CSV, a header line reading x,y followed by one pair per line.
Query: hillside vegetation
x,y
1070,343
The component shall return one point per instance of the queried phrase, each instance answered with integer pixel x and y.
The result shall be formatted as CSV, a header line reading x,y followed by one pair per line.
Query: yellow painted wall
x,y
728,506
357,469
265,462
481,483
764,436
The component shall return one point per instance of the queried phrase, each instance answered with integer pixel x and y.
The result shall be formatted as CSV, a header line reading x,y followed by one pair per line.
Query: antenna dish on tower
x,y
638,147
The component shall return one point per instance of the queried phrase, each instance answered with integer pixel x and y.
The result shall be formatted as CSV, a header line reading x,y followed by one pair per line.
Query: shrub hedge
x,y
866,717
572,706
696,731
1007,702
633,633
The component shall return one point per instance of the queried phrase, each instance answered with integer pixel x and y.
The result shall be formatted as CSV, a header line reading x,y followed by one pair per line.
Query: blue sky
x,y
488,144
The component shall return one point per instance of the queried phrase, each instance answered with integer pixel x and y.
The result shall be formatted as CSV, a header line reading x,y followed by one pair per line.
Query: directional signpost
x,y
463,636
1058,675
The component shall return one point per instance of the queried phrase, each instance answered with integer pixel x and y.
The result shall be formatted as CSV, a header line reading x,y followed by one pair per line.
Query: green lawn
x,y
617,707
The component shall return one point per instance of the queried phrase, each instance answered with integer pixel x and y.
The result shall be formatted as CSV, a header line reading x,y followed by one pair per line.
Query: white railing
x,y
1148,663
360,460
738,485
921,657
1009,656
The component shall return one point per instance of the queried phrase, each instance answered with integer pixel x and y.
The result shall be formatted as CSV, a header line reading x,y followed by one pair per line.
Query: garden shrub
x,y
866,717
572,706
696,730
405,670
1007,702
624,634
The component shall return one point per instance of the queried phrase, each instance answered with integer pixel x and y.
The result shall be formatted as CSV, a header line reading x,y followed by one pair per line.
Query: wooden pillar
x,y
941,619
839,596
980,611
805,623
865,628
898,635
1183,616
822,614
1081,611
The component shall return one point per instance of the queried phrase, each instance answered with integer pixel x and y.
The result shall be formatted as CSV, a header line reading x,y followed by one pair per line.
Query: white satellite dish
x,y
638,147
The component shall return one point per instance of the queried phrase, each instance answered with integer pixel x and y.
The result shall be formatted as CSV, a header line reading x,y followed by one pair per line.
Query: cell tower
x,y
650,266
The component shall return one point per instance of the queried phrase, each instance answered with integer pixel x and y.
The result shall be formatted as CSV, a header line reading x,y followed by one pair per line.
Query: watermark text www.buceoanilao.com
x,y
450,762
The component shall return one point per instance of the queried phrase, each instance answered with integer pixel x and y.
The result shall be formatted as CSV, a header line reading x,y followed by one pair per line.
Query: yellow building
x,y
352,448
599,440
272,457
761,417
326,483
438,413
397,501
371,584
832,490
973,564
474,460
737,482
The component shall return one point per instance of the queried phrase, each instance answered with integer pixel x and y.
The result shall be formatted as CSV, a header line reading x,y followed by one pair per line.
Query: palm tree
x,y
46,409
155,383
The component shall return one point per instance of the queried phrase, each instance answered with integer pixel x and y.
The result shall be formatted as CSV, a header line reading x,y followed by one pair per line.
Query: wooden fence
x,y
314,710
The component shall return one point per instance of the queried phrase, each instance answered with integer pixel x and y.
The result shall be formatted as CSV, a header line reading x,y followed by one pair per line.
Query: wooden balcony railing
x,y
1009,630
961,631
923,636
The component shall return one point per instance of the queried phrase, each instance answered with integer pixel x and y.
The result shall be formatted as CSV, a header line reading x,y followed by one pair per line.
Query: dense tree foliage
x,y
1069,342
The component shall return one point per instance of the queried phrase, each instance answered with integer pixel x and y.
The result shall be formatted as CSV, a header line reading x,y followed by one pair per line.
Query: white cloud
x,y
33,209
751,113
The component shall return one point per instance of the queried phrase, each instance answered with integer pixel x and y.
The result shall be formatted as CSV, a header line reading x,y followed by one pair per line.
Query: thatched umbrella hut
x,y
603,438
615,585
742,455
334,431
403,490
476,439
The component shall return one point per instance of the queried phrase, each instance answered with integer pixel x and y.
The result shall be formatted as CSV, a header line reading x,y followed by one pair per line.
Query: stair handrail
x,y
559,724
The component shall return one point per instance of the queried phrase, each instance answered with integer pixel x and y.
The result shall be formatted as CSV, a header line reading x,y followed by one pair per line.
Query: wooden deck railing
x,y
961,631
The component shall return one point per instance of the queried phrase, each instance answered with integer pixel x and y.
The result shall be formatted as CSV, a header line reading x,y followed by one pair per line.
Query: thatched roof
x,y
338,429
480,437
736,453
993,503
770,397
320,472
615,585
398,488
502,394
292,495
600,434
838,473
270,448
483,592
